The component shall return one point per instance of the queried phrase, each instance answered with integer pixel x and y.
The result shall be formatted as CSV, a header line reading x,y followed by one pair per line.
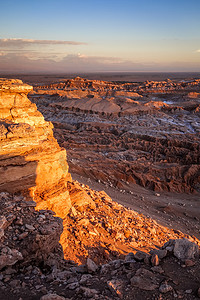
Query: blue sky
x,y
100,35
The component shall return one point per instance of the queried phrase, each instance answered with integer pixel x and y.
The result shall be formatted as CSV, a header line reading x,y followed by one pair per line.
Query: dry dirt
x,y
180,212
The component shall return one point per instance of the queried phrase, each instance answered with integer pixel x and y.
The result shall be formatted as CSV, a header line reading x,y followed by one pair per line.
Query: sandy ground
x,y
177,211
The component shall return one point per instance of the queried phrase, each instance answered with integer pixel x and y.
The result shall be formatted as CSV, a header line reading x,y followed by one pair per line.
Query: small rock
x,y
144,280
42,217
7,278
170,248
43,290
30,227
5,250
15,283
188,291
165,288
73,211
155,260
89,293
105,269
73,286
161,253
116,263
10,258
115,286
19,221
1,233
3,222
72,280
84,278
63,275
23,235
36,271
38,287
157,269
189,263
129,257
92,267
140,256
79,269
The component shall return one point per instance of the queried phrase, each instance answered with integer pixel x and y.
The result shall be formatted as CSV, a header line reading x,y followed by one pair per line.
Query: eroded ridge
x,y
121,133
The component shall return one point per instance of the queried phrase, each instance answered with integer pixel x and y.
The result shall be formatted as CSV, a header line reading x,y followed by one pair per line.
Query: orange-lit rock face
x,y
31,159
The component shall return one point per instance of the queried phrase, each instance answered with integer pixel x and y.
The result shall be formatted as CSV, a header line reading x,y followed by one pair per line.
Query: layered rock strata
x,y
30,158
123,133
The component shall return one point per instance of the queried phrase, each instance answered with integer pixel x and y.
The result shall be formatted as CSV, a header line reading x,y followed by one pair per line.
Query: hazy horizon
x,y
99,36
36,78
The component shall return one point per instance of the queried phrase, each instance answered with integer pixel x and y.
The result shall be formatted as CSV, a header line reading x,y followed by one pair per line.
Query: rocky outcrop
x,y
31,160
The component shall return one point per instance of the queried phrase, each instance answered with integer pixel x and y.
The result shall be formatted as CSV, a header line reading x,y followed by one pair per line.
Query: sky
x,y
48,36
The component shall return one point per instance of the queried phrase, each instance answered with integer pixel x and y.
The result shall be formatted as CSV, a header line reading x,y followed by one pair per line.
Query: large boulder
x,y
185,249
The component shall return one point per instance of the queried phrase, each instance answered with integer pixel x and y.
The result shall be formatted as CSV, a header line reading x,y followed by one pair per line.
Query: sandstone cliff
x,y
30,158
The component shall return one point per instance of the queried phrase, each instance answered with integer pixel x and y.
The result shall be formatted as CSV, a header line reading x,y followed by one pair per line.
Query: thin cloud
x,y
94,59
20,43
19,50
198,50
80,63
70,63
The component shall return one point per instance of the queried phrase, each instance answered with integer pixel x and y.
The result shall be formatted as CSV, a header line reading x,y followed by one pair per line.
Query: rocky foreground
x,y
110,251
32,264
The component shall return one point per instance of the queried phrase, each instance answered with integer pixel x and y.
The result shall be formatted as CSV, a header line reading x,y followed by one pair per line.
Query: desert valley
x,y
99,187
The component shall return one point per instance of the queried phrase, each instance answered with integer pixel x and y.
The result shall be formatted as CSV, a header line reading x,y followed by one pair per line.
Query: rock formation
x,y
96,230
121,133
30,158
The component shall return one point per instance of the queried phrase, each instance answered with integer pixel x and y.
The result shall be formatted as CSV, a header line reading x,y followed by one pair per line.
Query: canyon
x,y
136,141
146,134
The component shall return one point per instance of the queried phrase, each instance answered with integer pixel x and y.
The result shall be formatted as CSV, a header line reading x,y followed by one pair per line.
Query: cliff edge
x,y
31,160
